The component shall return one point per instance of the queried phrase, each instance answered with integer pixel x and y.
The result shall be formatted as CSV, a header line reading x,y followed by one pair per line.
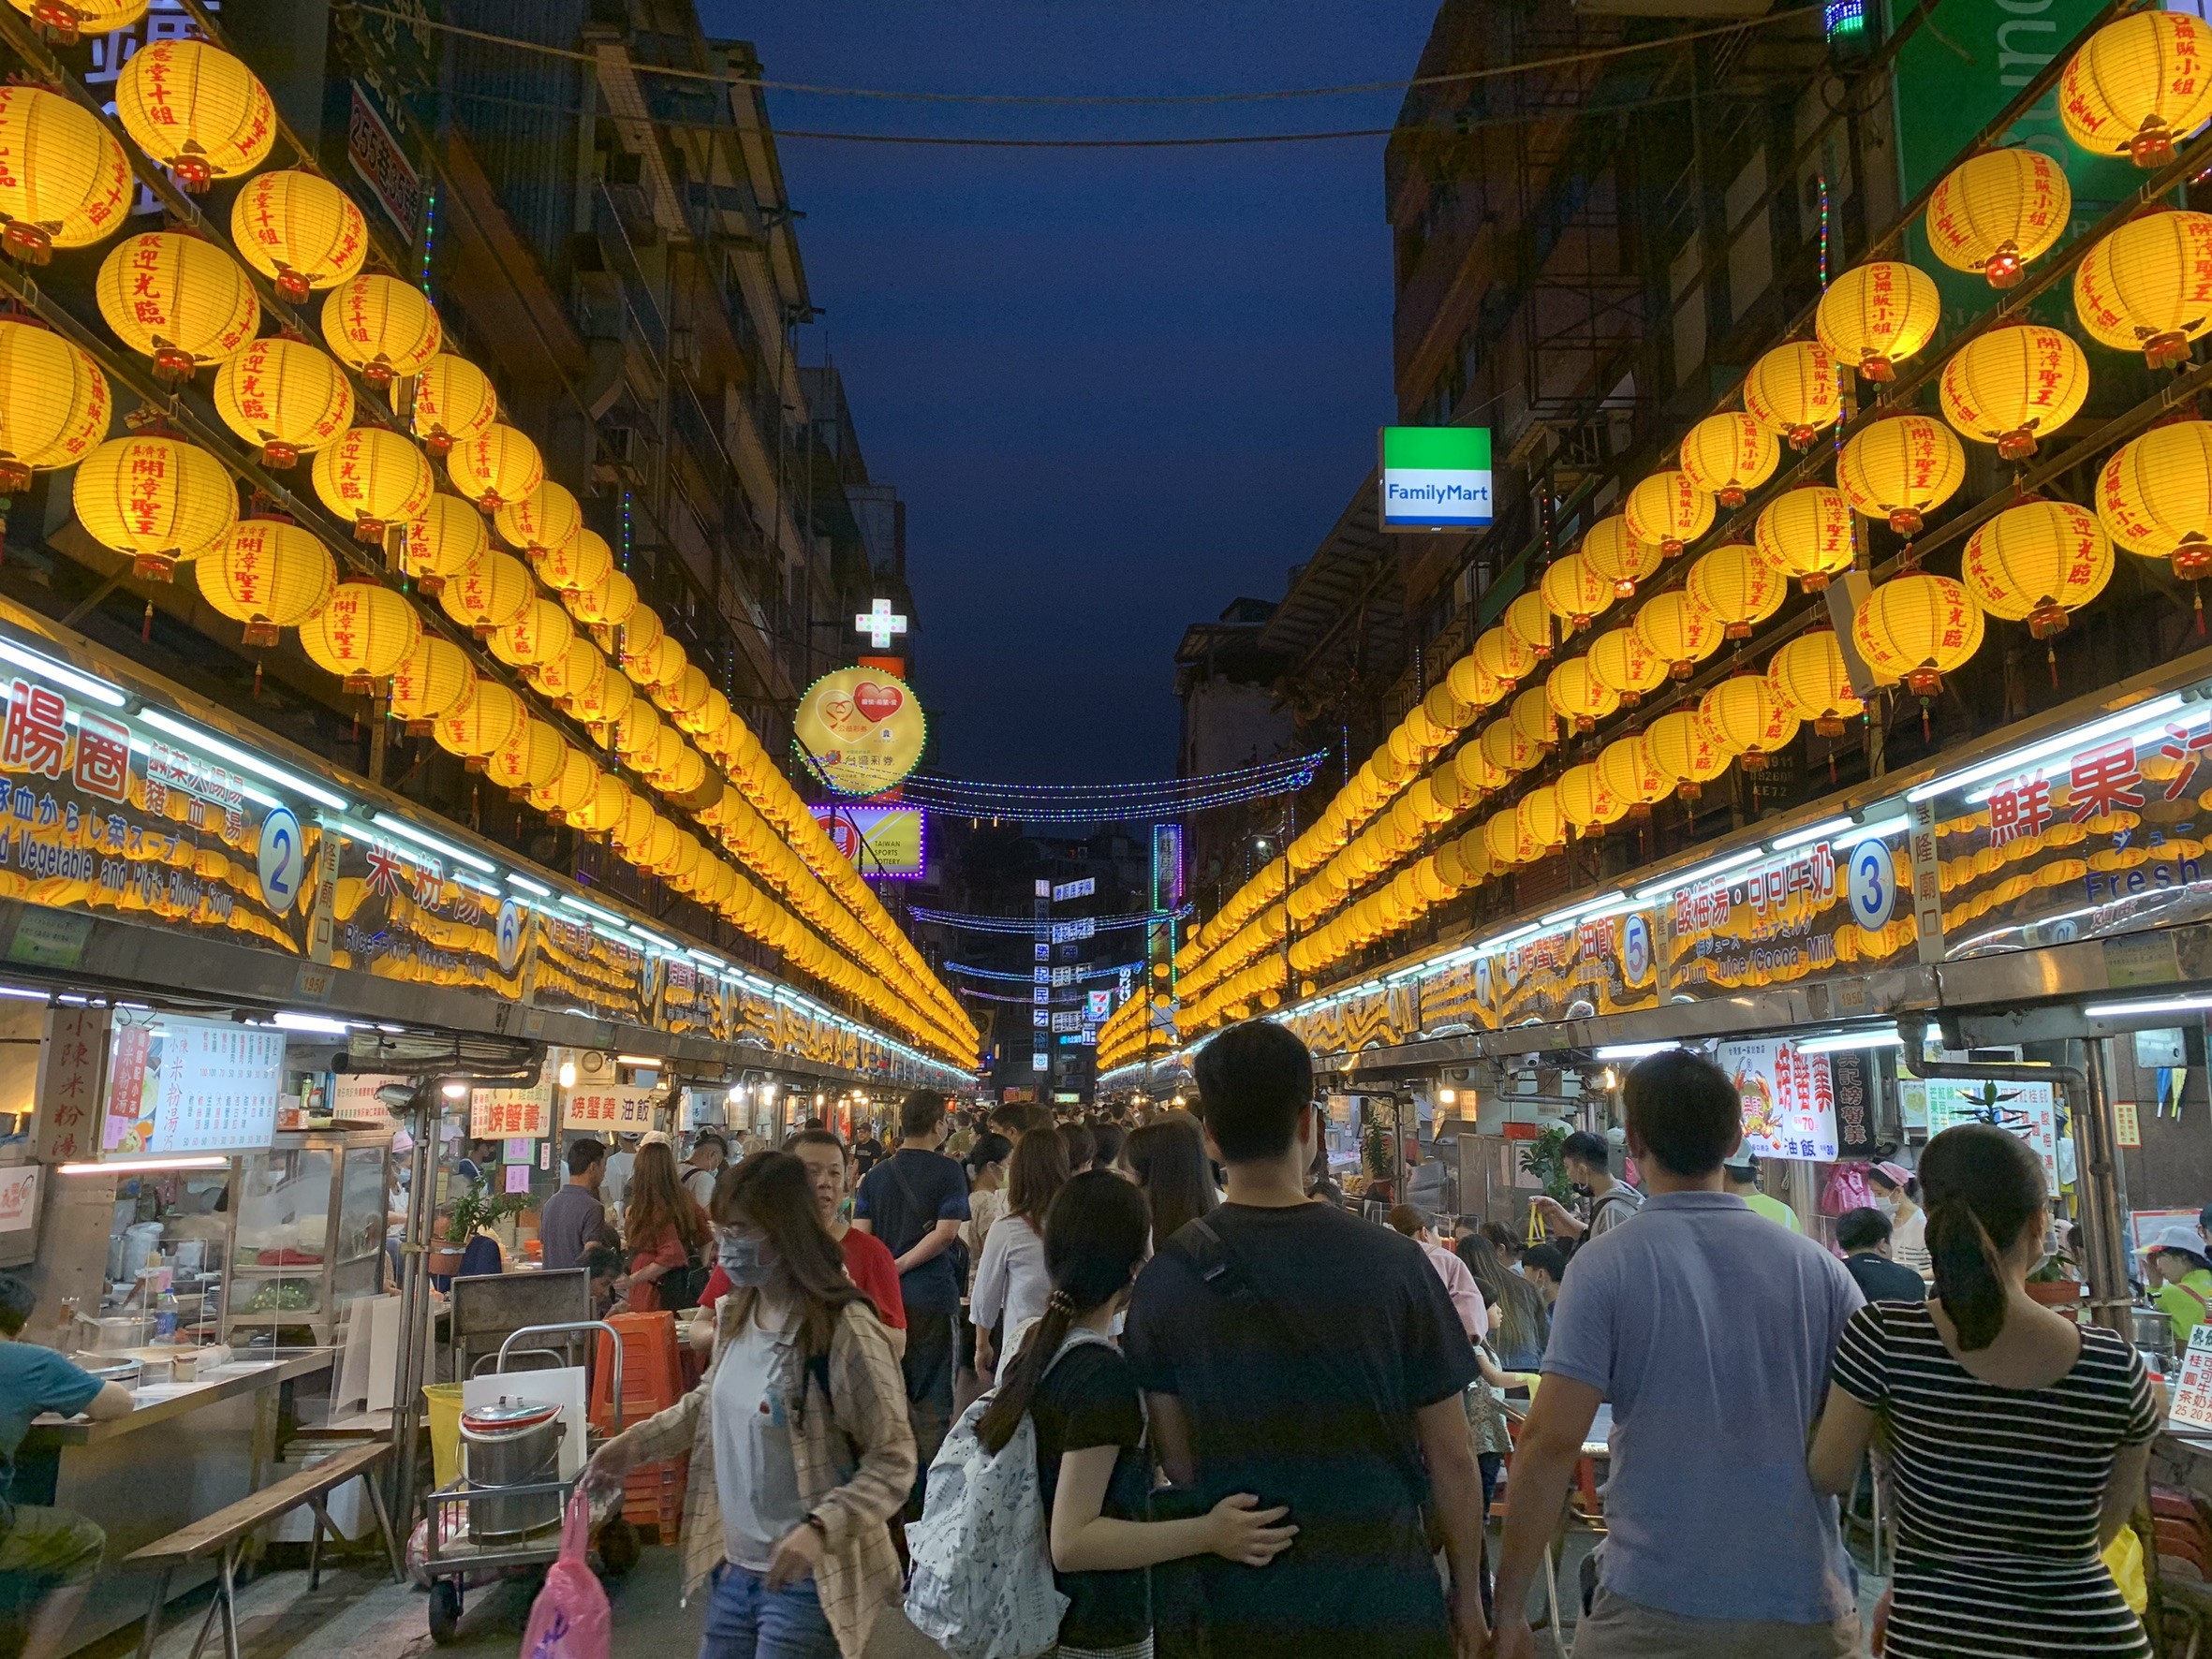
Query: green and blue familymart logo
x,y
1434,477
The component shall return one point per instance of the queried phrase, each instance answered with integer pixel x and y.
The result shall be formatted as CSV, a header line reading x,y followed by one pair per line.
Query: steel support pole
x,y
414,1302
2103,1224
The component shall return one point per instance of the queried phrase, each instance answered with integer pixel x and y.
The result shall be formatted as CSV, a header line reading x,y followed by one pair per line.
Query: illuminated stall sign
x,y
583,964
2028,1111
399,916
1787,919
620,1108
1788,1098
96,817
189,1086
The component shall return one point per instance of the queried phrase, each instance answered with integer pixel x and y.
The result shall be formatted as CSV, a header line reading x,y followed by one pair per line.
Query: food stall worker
x,y
47,1557
2181,1280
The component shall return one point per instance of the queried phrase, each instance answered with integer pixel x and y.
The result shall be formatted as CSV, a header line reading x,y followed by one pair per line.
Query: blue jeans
x,y
745,1620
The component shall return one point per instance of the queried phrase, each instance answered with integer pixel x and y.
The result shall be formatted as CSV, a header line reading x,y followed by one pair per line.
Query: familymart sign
x,y
1434,477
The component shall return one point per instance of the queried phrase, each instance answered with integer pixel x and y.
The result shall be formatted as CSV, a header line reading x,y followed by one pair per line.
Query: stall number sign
x,y
615,1106
191,1086
1434,477
1788,1098
2193,1394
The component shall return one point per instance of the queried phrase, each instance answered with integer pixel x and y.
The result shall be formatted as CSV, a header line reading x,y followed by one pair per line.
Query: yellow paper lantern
x,y
1669,510
1737,586
1478,774
529,759
1729,455
635,827
1501,840
2154,497
1805,534
434,681
2136,84
1624,767
1875,313
641,637
1618,556
67,184
690,688
363,634
1900,470
385,327
687,772
2011,386
158,499
1917,627
453,403
1807,673
1683,752
610,800
572,674
300,230
196,109
578,565
479,723
177,299
269,574
663,665
1542,823
1578,695
1792,391
1472,684
497,465
605,701
636,734
1626,666
1679,631
608,603
1585,801
1532,712
372,478
1994,211
488,593
668,751
55,403
1528,622
1745,717
2035,563
1507,747
1505,656
443,541
2147,286
1574,593
68,20
572,789
286,396
547,516
540,632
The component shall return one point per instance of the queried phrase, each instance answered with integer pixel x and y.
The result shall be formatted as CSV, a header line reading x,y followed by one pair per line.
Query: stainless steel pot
x,y
511,1443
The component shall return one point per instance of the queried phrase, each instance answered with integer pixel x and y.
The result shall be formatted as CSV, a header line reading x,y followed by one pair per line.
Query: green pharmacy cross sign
x,y
1434,477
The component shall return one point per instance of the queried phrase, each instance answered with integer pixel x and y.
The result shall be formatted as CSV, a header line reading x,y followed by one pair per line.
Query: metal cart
x,y
447,1560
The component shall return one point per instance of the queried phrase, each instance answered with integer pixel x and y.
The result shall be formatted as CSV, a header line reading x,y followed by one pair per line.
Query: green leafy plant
x,y
1543,1159
1375,1150
480,1207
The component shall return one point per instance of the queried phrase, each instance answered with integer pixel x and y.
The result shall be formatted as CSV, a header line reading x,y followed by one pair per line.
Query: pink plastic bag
x,y
570,1620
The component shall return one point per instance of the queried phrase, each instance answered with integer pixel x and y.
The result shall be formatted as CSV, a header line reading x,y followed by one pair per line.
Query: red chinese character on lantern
x,y
103,756
2105,780
37,732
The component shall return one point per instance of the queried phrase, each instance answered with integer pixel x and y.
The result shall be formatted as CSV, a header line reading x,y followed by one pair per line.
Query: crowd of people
x,y
1255,1424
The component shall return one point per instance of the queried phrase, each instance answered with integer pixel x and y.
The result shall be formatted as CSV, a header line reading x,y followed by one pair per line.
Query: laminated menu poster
x,y
1788,1098
177,1085
2029,1110
2193,1393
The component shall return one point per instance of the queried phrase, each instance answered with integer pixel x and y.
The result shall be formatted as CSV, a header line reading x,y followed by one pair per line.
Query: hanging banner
x,y
876,841
859,730
616,1109
514,1114
1788,1098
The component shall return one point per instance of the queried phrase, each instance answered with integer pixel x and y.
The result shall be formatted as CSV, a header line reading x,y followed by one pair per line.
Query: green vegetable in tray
x,y
281,1296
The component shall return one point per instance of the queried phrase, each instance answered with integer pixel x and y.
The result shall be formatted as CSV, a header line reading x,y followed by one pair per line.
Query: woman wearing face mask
x,y
803,1384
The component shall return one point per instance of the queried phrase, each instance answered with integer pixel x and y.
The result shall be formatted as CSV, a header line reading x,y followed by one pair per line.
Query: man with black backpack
x,y
914,1201
1290,1350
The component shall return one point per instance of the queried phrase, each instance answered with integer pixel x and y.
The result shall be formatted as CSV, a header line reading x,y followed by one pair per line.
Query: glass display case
x,y
310,1222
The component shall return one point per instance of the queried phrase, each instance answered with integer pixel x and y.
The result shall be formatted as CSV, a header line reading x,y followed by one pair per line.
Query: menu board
x,y
178,1085
1788,1098
2193,1393
510,1115
2029,1110
621,1107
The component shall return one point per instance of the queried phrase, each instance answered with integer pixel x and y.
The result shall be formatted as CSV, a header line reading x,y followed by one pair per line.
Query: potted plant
x,y
1544,1159
2057,1283
478,1207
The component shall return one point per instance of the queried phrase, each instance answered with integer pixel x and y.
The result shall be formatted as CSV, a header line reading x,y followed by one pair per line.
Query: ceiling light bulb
x,y
568,1073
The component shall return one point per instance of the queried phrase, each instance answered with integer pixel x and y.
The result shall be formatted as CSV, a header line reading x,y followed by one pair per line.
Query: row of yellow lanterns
x,y
2145,287
181,301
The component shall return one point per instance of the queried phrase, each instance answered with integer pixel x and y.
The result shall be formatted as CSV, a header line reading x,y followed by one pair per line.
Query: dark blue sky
x,y
1115,388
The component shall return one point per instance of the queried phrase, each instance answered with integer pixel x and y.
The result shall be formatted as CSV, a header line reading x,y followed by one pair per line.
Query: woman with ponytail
x,y
1075,1385
2015,1439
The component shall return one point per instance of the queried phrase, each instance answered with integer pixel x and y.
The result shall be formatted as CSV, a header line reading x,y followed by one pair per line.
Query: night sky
x,y
1115,388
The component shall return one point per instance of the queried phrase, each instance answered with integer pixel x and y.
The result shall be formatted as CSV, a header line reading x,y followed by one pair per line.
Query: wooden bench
x,y
228,1528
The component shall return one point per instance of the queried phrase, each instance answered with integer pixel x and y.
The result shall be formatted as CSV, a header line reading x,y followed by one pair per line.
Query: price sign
x,y
2193,1394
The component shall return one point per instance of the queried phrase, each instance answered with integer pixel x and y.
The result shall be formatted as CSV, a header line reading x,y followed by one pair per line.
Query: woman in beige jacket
x,y
800,1451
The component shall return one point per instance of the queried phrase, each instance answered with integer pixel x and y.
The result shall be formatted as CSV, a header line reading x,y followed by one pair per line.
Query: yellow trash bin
x,y
445,1430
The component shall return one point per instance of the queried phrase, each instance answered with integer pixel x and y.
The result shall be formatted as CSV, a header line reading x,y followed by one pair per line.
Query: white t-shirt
x,y
615,1184
699,1183
1011,1280
1909,1245
755,1477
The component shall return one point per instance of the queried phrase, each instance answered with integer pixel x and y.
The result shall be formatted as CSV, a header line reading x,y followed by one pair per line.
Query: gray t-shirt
x,y
570,1219
1710,1331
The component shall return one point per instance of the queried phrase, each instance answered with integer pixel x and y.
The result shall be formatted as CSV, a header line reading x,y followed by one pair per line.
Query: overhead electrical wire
x,y
1110,804
1031,978
1016,924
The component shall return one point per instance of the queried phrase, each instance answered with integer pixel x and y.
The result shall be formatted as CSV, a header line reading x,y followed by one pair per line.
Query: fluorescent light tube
x,y
594,911
399,826
1887,1038
1889,826
1811,832
1698,873
223,749
2016,759
77,679
1631,1050
2169,1004
121,1166
515,879
284,1020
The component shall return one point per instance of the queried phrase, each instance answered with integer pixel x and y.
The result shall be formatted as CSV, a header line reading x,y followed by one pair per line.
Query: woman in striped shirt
x,y
2015,1439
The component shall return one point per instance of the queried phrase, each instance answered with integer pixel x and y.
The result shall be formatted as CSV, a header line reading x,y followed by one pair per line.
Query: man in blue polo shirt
x,y
1710,1331
47,1557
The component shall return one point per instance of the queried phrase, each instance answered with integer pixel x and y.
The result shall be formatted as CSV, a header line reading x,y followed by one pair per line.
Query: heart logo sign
x,y
877,703
836,709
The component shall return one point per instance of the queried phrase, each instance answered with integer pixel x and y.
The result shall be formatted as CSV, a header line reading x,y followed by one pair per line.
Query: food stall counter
x,y
157,1403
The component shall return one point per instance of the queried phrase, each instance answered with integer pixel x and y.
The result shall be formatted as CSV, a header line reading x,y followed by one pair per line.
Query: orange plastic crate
x,y
652,1370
